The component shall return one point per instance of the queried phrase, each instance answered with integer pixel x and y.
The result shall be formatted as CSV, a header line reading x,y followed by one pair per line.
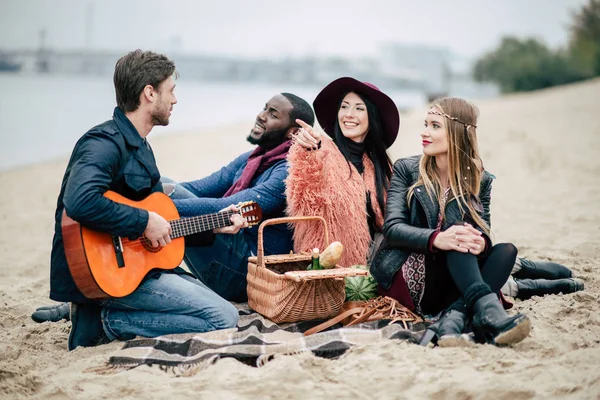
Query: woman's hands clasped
x,y
463,238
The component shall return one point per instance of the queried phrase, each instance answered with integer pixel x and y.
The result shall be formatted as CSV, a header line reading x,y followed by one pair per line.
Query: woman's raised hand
x,y
306,136
463,238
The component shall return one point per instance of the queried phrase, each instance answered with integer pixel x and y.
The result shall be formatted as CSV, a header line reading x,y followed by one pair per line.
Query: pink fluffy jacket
x,y
320,183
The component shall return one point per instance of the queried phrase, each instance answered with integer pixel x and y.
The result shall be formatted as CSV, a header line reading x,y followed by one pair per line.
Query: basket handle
x,y
284,220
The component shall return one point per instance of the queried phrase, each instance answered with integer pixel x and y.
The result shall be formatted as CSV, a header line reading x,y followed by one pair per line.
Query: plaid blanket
x,y
255,341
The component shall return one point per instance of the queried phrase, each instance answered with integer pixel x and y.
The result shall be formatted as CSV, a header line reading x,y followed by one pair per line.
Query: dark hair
x,y
301,110
134,71
374,148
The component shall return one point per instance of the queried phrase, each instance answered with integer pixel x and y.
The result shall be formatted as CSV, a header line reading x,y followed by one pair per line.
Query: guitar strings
x,y
180,227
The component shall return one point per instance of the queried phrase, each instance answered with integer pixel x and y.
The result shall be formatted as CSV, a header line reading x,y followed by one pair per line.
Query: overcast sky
x,y
257,28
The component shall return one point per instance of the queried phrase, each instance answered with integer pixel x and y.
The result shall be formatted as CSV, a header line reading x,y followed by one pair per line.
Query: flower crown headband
x,y
452,118
457,120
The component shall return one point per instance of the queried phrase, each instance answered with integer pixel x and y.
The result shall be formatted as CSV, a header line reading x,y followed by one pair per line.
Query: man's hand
x,y
158,230
236,219
463,238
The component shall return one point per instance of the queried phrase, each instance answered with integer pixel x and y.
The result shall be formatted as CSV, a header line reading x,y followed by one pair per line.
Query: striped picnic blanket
x,y
255,341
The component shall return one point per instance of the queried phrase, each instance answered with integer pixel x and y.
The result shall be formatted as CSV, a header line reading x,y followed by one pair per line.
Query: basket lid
x,y
337,272
283,258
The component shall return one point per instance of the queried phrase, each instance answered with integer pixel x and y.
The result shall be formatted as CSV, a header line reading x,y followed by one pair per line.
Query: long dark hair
x,y
374,148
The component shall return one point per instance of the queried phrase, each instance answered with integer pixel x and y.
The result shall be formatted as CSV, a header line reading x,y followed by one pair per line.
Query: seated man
x,y
116,156
257,175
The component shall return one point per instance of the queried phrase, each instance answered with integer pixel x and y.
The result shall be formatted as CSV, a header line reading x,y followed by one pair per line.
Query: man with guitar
x,y
114,157
257,176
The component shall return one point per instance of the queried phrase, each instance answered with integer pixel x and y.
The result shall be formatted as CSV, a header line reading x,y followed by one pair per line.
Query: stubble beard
x,y
269,139
161,116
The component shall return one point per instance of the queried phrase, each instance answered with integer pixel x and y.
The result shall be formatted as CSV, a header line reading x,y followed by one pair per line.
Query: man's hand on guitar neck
x,y
238,222
158,230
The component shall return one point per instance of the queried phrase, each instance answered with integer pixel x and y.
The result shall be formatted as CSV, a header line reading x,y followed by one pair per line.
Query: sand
x,y
544,149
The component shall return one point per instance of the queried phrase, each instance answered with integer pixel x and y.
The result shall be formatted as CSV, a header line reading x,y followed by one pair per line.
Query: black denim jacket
x,y
110,156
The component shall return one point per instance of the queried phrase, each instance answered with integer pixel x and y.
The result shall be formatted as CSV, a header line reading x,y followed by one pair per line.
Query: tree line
x,y
528,64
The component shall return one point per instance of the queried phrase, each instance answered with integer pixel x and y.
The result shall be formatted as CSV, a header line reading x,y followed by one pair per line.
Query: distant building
x,y
428,66
437,71
8,64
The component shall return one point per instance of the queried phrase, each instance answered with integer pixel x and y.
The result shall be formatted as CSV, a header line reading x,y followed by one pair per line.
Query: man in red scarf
x,y
257,175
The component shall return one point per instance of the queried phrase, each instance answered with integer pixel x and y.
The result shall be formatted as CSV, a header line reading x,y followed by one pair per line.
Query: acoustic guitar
x,y
105,266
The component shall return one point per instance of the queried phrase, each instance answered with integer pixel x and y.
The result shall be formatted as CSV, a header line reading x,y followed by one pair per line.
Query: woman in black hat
x,y
343,177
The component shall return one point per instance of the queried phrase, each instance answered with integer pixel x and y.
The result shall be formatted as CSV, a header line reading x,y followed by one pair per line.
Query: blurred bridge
x,y
305,70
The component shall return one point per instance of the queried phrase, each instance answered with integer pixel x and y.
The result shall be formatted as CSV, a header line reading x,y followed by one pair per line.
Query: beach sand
x,y
544,149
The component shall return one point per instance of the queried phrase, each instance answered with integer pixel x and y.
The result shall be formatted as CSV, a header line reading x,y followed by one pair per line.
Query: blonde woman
x,y
437,253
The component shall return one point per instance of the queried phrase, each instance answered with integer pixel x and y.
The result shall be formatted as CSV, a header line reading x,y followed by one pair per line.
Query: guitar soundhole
x,y
148,245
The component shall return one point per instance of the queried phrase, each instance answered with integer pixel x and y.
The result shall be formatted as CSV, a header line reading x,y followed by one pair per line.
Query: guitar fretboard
x,y
189,226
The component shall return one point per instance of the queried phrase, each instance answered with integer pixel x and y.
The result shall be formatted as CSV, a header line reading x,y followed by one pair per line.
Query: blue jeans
x,y
223,266
167,304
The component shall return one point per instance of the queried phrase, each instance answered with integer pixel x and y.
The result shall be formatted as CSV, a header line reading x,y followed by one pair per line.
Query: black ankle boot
x,y
541,270
492,325
448,330
452,330
540,287
86,326
52,313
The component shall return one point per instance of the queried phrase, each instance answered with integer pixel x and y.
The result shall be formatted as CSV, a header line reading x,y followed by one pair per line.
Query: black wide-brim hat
x,y
328,100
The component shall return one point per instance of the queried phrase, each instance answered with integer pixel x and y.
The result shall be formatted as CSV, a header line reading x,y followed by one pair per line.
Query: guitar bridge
x,y
118,246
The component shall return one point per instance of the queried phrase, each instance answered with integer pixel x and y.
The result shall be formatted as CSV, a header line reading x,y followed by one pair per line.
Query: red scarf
x,y
259,161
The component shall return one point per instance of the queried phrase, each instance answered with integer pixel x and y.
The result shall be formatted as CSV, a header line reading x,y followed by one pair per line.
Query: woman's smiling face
x,y
353,118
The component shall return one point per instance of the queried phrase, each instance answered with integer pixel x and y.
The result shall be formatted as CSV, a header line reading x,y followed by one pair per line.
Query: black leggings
x,y
495,271
447,282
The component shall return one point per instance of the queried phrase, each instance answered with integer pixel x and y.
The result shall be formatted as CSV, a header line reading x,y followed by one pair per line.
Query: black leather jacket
x,y
408,229
111,156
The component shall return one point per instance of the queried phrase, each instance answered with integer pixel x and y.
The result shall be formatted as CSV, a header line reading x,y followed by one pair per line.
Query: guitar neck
x,y
189,226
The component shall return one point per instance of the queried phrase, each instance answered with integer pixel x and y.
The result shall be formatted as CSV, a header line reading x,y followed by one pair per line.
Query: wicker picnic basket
x,y
281,289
